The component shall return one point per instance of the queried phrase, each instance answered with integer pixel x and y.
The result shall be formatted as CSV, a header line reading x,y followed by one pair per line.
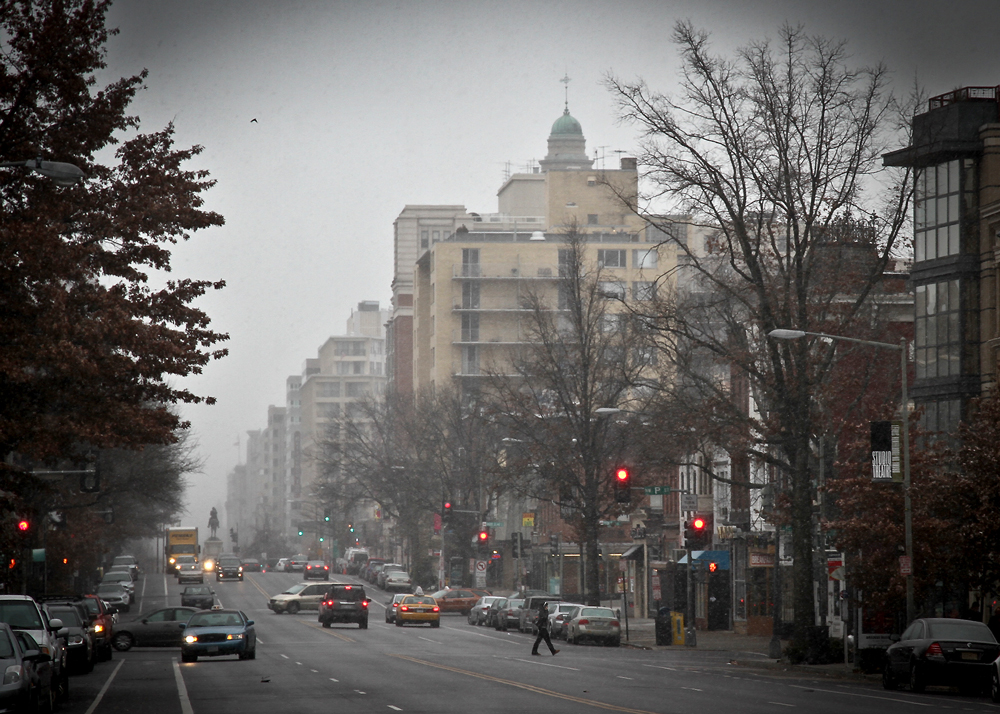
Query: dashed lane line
x,y
182,692
100,694
863,696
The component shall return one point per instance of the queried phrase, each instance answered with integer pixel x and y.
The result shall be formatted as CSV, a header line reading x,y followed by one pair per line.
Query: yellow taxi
x,y
418,609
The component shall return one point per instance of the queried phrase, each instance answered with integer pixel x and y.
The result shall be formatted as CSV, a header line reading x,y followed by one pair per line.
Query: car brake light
x,y
583,622
404,608
364,603
934,649
347,588
326,567
328,603
436,608
615,623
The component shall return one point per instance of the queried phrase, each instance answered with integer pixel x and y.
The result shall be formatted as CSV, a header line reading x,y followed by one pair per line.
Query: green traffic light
x,y
300,533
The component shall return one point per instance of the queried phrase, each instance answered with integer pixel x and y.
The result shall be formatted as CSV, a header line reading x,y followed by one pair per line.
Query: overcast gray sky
x,y
364,107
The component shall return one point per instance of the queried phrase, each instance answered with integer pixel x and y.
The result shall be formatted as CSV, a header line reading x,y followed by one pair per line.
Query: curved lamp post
x,y
59,171
907,510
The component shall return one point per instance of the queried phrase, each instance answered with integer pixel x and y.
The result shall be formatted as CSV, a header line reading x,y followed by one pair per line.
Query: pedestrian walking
x,y
543,631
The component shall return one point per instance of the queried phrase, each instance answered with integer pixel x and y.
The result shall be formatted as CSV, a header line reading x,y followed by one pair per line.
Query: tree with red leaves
x,y
91,331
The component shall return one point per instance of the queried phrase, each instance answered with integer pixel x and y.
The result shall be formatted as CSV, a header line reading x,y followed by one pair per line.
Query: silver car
x,y
598,624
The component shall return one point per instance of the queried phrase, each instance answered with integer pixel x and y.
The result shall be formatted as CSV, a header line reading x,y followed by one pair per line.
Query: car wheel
x,y
47,700
106,653
293,607
399,623
326,623
889,680
615,642
470,620
916,681
363,625
253,653
123,641
436,623
995,686
185,657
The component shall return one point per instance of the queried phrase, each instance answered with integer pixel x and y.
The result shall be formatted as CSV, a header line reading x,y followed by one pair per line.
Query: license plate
x,y
213,650
971,656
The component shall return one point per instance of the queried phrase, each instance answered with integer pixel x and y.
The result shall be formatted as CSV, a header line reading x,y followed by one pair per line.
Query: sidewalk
x,y
746,651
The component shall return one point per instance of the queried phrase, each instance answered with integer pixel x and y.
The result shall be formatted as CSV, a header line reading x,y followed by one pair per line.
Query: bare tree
x,y
582,356
775,154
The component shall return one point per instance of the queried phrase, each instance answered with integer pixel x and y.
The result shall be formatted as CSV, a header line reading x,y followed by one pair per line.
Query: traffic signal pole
x,y
690,636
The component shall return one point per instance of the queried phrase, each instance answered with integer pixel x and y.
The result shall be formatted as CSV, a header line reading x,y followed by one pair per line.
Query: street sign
x,y
493,524
905,565
528,519
481,573
656,490
689,502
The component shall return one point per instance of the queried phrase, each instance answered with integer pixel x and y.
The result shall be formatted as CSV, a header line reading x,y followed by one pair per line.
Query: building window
x,y
645,259
611,258
359,367
591,219
470,328
470,360
329,410
328,389
470,295
470,262
643,290
941,418
612,289
436,237
425,239
936,212
611,322
938,330
356,389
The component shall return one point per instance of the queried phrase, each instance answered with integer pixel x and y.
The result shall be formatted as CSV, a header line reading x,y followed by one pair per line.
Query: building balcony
x,y
504,271
460,336
505,304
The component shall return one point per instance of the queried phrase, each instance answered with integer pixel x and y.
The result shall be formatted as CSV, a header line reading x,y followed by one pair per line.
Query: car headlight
x,y
12,675
98,628
190,638
76,639
237,636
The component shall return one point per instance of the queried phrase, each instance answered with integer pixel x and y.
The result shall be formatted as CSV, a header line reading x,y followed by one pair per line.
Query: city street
x,y
301,667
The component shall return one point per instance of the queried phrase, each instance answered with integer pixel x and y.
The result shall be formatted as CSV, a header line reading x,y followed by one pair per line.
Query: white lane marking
x,y
259,641
495,638
143,593
314,671
166,592
693,689
395,708
334,680
863,696
285,656
298,663
656,666
359,691
543,664
100,694
628,678
427,640
781,704
182,692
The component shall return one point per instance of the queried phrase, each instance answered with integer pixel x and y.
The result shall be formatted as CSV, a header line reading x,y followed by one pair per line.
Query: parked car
x,y
302,596
478,612
281,566
397,580
316,570
214,633
343,603
297,562
458,600
201,597
190,573
228,567
390,609
384,571
418,609
559,614
120,576
24,614
80,655
27,684
942,651
598,624
116,596
529,611
510,615
160,628
493,613
102,624
252,565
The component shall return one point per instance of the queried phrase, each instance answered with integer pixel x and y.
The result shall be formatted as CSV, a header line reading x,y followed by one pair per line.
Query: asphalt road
x,y
303,668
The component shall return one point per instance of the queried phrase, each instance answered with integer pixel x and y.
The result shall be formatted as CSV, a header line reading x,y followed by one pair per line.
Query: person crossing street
x,y
543,631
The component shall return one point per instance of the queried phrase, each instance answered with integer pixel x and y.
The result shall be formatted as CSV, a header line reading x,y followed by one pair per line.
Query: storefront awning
x,y
719,557
633,553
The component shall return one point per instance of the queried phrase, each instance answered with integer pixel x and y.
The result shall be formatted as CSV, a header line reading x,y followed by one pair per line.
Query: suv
x,y
102,622
21,612
303,596
229,566
344,603
532,606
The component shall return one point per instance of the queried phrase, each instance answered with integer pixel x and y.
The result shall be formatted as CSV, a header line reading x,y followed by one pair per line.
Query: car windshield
x,y
92,605
123,560
413,600
197,590
295,589
598,612
20,613
116,575
216,619
109,589
230,562
347,594
961,630
515,602
69,615
185,559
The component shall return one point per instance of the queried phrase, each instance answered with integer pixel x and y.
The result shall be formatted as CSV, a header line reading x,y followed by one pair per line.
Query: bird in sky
x,y
254,121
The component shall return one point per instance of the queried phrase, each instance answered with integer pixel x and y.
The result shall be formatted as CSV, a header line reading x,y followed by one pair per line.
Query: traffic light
x,y
23,525
697,532
515,544
301,532
350,527
326,515
623,485
483,538
90,480
446,512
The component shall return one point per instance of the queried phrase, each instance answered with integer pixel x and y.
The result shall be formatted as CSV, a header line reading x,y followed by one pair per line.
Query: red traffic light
x,y
698,524
712,567
621,475
23,525
484,536
447,505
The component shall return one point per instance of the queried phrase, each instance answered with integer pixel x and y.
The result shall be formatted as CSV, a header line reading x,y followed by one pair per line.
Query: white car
x,y
114,594
281,566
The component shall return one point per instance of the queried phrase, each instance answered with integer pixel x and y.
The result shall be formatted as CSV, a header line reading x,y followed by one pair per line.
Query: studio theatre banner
x,y
886,463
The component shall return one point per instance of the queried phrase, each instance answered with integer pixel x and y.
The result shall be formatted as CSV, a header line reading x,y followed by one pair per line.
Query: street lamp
x,y
59,171
781,334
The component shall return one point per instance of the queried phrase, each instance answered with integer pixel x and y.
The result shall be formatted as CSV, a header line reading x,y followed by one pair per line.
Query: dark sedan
x,y
213,633
201,597
161,628
27,684
942,651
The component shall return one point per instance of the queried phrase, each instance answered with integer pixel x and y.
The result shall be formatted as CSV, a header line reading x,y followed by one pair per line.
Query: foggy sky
x,y
364,107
